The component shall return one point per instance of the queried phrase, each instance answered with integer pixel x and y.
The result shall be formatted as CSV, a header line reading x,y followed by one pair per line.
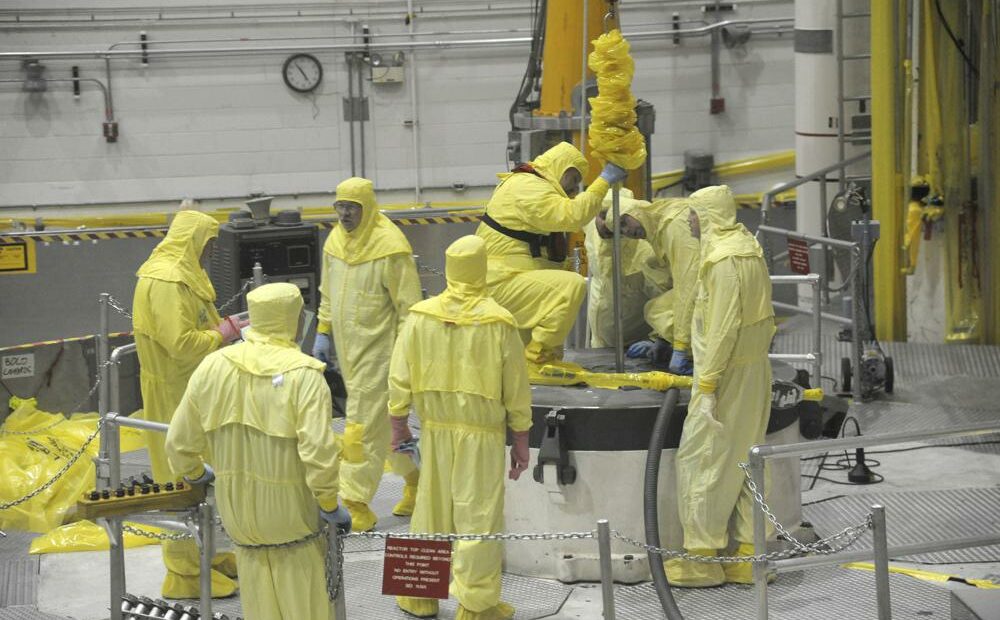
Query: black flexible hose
x,y
651,503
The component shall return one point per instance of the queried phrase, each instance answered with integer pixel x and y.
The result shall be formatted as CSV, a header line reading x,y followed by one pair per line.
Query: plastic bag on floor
x,y
36,445
613,135
88,536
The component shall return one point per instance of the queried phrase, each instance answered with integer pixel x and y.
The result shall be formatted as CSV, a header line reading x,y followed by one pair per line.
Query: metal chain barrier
x,y
155,535
429,269
119,307
246,287
491,537
59,474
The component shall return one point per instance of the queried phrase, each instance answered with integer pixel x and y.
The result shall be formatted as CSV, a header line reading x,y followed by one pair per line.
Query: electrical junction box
x,y
385,74
287,248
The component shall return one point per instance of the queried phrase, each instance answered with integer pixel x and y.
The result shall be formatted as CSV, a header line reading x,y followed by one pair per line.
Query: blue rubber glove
x,y
641,348
206,478
321,347
339,517
680,363
613,174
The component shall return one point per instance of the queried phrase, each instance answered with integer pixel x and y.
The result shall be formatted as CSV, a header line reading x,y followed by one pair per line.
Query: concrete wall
x,y
214,127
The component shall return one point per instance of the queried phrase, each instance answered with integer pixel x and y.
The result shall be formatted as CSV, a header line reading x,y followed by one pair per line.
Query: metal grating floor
x,y
18,571
918,516
819,594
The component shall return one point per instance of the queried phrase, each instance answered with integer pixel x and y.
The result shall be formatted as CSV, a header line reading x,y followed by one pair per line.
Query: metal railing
x,y
815,357
761,453
856,278
819,175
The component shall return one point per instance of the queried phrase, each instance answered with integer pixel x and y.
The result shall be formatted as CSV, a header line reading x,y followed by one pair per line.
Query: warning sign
x,y
17,366
17,257
416,568
798,256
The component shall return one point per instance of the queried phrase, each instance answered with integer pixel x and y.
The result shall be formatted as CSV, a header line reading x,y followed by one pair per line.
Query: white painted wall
x,y
214,127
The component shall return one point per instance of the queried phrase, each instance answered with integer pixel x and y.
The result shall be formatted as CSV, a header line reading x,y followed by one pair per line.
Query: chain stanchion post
x,y
858,292
206,534
759,534
258,275
335,576
116,549
881,563
102,476
817,331
607,580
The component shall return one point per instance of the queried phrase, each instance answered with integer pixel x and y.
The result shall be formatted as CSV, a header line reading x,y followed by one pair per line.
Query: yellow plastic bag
x,y
35,446
88,536
613,135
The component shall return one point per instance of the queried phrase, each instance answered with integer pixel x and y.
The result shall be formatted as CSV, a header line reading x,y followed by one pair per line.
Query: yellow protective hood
x,y
721,235
627,202
716,208
375,237
270,347
656,216
554,163
465,301
178,257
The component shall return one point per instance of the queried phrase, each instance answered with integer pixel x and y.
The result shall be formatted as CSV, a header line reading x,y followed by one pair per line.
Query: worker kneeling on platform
x,y
530,211
731,398
459,362
369,283
675,254
261,409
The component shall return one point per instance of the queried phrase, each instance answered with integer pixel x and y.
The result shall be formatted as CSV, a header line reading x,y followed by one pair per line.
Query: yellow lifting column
x,y
564,62
888,41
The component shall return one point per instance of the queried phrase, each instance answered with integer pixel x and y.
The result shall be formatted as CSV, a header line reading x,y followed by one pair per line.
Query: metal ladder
x,y
843,99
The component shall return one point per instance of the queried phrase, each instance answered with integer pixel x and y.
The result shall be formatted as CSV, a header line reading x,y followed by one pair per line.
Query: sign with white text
x,y
419,568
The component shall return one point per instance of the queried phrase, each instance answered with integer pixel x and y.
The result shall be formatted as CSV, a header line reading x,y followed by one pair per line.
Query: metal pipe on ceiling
x,y
409,45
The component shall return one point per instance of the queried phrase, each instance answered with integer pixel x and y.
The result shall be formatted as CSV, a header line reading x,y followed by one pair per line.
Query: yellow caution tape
x,y
927,575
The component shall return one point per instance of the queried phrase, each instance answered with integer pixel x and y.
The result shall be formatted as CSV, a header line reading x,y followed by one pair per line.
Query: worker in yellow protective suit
x,y
731,398
176,326
664,224
644,278
529,212
259,411
459,363
369,283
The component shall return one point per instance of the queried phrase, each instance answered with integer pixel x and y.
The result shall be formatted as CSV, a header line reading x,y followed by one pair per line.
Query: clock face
x,y
302,73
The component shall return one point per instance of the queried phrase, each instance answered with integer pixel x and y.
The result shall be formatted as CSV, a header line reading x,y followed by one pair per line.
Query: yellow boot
x,y
225,563
500,611
742,572
683,573
419,607
405,506
362,518
188,587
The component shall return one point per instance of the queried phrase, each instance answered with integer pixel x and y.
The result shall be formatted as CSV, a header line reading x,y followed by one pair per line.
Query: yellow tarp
x,y
34,446
88,536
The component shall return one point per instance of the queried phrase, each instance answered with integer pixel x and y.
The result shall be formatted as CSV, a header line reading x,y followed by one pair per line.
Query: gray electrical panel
x,y
287,248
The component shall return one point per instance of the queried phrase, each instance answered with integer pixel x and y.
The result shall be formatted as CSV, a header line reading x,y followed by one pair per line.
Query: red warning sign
x,y
416,568
798,256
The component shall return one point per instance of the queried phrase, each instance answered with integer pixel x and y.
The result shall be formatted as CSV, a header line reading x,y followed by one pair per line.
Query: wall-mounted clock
x,y
302,73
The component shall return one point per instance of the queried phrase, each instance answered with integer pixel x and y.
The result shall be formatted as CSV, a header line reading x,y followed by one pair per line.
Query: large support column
x,y
816,111
888,39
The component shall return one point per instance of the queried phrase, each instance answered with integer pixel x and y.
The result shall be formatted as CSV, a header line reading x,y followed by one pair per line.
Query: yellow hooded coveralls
x,y
369,283
459,363
644,278
667,230
543,298
259,413
174,320
732,331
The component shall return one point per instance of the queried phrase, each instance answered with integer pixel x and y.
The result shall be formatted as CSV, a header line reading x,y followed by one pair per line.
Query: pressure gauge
x,y
302,73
